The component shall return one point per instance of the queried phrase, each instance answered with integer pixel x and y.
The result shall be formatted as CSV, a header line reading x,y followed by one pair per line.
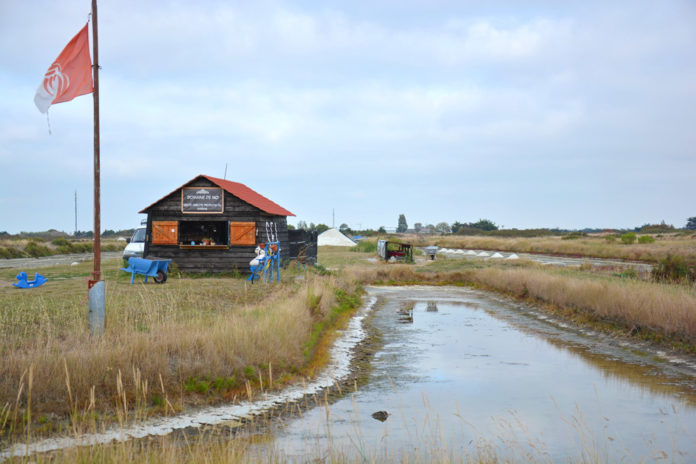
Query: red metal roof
x,y
240,191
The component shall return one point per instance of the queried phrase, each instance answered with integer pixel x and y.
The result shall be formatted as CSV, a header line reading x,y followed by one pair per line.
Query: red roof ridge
x,y
240,191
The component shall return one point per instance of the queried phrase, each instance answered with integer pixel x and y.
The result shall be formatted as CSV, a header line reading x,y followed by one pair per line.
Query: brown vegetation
x,y
189,341
591,246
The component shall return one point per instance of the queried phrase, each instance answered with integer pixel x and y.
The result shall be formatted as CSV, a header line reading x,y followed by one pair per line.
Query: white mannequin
x,y
260,254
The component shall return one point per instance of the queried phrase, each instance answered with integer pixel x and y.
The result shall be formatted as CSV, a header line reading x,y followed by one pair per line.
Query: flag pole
x,y
96,284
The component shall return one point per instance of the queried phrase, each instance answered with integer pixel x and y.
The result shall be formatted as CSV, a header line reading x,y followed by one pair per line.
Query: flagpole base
x,y
97,304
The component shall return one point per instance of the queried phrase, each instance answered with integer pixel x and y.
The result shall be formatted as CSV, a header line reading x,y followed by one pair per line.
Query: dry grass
x,y
591,246
159,340
667,309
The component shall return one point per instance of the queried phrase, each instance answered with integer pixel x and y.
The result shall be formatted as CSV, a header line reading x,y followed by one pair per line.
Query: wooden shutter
x,y
165,232
242,233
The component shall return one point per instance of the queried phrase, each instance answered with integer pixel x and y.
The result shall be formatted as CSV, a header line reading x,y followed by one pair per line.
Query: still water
x,y
463,373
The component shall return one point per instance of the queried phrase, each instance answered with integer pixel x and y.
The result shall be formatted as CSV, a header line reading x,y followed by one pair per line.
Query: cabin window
x,y
164,232
203,233
242,233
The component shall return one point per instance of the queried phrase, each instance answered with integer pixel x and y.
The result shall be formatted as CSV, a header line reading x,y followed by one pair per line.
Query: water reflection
x,y
477,375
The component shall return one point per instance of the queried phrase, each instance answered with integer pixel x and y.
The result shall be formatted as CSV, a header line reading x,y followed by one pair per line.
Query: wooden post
x,y
96,284
96,272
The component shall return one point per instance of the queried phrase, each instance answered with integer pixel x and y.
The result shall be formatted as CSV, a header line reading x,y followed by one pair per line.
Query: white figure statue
x,y
260,254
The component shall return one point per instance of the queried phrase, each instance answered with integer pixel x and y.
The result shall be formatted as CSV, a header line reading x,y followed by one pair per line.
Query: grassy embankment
x,y
597,246
205,334
190,341
596,296
609,298
37,247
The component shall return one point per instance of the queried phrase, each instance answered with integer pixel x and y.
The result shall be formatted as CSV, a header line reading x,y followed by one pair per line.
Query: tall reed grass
x,y
635,305
591,246
166,346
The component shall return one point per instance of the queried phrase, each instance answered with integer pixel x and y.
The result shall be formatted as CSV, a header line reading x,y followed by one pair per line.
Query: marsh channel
x,y
466,373
457,374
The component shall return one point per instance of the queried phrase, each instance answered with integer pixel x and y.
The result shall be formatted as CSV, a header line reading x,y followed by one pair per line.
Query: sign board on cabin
x,y
201,200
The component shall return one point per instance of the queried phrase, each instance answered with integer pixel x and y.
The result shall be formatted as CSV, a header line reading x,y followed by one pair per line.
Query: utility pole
x,y
75,234
96,285
333,218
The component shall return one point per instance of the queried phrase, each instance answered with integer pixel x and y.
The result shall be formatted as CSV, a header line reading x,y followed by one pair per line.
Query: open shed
x,y
213,225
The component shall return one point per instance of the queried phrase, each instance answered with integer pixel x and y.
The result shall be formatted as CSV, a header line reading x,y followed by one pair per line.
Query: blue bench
x,y
156,268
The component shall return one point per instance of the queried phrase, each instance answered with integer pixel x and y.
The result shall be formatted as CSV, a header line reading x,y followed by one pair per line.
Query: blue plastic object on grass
x,y
156,268
23,283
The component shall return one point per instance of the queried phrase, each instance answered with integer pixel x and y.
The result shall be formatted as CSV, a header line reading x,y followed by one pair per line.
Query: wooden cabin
x,y
213,225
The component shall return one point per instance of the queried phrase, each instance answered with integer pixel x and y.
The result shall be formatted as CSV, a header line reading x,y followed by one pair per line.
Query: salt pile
x,y
513,256
497,255
334,237
471,252
482,254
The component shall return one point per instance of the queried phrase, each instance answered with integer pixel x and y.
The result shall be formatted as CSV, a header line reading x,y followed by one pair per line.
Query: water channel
x,y
468,374
461,373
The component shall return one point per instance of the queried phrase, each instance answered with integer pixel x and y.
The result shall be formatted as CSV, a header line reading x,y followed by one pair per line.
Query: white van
x,y
136,245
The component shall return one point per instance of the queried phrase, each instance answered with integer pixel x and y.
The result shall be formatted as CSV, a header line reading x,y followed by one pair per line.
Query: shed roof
x,y
240,191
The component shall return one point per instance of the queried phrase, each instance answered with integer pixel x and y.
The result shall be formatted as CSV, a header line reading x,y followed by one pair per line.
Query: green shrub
x,y
35,249
225,383
629,273
673,269
10,252
645,239
610,238
365,247
628,238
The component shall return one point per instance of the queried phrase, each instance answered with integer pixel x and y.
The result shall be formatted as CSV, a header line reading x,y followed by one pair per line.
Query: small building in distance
x,y
213,225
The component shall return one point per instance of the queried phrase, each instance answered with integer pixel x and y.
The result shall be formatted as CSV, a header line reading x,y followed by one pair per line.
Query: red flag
x,y
69,76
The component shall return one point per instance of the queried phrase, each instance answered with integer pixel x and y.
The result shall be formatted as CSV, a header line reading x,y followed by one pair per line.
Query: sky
x,y
529,114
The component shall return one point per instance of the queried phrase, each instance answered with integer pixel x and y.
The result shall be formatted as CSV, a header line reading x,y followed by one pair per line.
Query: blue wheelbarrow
x,y
155,268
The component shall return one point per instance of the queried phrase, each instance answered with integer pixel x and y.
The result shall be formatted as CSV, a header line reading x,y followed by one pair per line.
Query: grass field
x,y
203,340
599,246
166,347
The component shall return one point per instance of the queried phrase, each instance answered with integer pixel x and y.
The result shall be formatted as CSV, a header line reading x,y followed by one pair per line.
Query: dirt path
x,y
47,261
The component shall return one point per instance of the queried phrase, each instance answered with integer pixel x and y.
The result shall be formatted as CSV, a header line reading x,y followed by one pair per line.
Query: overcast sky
x,y
530,114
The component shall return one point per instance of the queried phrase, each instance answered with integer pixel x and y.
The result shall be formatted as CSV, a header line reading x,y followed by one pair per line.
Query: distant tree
x,y
403,225
108,233
655,228
302,225
483,224
321,228
312,226
291,227
456,225
417,227
691,223
443,228
344,227
382,230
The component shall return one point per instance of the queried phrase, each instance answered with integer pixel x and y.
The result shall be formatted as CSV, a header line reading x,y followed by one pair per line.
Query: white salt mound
x,y
471,252
497,255
334,237
513,256
482,254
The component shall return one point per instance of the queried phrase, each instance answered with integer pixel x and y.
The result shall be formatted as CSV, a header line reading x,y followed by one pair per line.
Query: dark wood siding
x,y
236,258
